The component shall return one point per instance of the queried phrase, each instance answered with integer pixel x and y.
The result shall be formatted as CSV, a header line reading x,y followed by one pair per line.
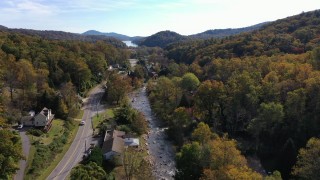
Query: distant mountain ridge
x,y
61,35
164,38
220,33
160,39
112,34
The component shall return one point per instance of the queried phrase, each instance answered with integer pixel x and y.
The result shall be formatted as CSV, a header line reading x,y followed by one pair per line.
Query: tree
x,y
307,166
190,82
276,175
202,133
139,71
117,88
270,116
131,160
178,124
125,114
96,156
88,171
69,97
231,173
10,153
209,100
139,124
11,74
188,162
164,97
226,162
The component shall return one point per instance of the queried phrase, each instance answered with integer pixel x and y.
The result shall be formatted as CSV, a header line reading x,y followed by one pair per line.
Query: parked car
x,y
82,123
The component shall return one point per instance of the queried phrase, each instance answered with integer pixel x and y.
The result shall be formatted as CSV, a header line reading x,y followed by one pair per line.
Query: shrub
x,y
35,132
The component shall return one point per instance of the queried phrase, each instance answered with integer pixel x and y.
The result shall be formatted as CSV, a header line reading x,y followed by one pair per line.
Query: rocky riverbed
x,y
160,150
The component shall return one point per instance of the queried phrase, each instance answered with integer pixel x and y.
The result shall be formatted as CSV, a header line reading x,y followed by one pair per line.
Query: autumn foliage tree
x,y
307,166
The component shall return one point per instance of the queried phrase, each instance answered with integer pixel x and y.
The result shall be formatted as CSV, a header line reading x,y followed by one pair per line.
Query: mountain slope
x,y
112,34
220,33
160,39
164,38
60,35
293,35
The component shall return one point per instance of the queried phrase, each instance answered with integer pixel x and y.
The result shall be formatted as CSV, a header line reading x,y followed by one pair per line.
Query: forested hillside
x,y
60,35
221,33
259,88
37,72
294,35
160,39
165,38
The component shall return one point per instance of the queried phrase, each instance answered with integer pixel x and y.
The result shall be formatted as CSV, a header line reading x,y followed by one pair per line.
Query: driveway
x,y
26,148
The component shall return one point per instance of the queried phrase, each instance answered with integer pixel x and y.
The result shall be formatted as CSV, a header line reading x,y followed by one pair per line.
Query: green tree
x,y
270,117
96,156
190,82
202,133
164,97
307,166
188,162
125,114
10,153
90,171
209,101
178,125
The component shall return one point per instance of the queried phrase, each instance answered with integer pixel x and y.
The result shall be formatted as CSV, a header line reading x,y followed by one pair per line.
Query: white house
x,y
42,119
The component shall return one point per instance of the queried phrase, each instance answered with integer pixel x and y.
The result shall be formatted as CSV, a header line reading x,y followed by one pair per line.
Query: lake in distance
x,y
130,44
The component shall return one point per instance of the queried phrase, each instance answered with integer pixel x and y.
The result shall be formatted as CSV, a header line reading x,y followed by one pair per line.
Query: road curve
x,y
83,138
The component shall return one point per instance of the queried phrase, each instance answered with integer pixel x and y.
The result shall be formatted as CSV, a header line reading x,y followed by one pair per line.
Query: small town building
x,y
43,119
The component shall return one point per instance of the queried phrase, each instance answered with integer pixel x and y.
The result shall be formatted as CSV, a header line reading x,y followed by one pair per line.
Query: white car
x,y
20,126
82,123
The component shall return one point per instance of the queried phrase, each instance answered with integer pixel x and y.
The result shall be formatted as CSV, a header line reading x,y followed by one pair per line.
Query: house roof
x,y
47,113
117,133
113,133
115,144
113,141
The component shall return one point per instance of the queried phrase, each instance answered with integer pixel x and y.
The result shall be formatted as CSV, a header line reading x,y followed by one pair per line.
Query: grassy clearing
x,y
106,115
56,130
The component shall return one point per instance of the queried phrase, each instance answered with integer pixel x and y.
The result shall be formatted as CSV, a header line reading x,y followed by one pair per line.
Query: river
x,y
160,148
130,44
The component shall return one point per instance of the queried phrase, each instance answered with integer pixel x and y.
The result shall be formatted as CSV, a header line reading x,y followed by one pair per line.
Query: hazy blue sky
x,y
146,17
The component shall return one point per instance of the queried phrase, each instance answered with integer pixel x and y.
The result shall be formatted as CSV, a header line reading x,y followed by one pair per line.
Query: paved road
x,y
26,148
160,148
84,137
